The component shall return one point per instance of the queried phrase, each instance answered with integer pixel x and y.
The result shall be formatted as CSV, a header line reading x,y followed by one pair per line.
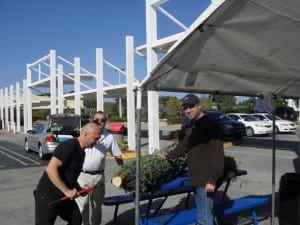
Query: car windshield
x,y
218,116
249,118
271,117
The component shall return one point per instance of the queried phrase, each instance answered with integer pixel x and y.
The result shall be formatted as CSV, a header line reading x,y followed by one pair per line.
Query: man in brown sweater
x,y
204,146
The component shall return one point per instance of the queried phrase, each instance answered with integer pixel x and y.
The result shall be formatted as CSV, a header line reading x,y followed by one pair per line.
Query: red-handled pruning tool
x,y
83,191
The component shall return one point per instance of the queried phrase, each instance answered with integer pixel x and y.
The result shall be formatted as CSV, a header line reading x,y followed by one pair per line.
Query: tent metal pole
x,y
138,156
273,168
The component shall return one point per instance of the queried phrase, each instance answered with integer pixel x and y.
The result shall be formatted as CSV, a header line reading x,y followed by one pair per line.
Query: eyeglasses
x,y
185,107
99,121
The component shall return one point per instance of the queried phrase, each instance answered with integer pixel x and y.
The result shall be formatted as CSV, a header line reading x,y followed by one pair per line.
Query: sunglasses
x,y
185,107
99,121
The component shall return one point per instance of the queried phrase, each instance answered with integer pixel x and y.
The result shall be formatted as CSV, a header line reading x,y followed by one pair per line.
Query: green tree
x,y
281,102
246,106
173,111
39,115
226,103
207,103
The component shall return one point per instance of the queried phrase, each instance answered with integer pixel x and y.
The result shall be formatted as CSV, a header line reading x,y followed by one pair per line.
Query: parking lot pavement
x,y
252,154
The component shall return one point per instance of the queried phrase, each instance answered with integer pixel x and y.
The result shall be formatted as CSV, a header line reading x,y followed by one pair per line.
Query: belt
x,y
93,172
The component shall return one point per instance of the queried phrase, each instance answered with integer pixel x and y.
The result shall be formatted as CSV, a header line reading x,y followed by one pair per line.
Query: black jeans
x,y
46,214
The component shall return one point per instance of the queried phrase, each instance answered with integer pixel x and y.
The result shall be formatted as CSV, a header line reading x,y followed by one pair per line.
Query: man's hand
x,y
72,194
119,161
161,156
209,188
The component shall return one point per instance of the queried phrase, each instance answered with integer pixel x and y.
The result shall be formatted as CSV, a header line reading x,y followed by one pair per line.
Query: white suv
x,y
253,125
281,126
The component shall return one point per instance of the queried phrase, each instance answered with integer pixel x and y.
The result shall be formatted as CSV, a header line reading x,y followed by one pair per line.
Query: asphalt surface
x,y
20,172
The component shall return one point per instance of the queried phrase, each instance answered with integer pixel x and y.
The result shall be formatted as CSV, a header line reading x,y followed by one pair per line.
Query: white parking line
x,y
19,155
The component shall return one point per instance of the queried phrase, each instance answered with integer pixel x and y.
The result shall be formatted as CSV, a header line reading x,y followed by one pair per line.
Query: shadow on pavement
x,y
268,144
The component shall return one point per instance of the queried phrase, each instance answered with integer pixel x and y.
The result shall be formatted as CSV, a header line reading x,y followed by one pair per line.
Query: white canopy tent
x,y
236,47
243,48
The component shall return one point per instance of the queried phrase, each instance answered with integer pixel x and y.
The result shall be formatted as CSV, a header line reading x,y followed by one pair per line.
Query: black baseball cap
x,y
190,99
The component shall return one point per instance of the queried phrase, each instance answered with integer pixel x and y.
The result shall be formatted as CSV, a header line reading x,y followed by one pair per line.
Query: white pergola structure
x,y
50,72
10,103
85,84
155,48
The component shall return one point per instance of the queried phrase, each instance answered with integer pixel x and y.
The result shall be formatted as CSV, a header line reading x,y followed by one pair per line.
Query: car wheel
x,y
277,131
41,153
249,132
26,147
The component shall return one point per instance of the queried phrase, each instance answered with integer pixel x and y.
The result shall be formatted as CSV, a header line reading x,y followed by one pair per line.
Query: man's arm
x,y
119,161
216,164
52,171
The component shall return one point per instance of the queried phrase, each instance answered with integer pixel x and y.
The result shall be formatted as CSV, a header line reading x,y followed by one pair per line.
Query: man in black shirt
x,y
60,179
204,146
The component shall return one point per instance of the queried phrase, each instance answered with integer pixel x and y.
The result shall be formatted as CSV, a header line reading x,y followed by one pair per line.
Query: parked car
x,y
286,113
253,125
281,126
231,128
45,137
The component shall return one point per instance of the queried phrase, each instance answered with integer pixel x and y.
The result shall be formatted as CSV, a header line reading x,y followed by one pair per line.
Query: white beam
x,y
38,61
131,128
6,108
1,108
77,85
25,106
176,21
53,81
28,102
120,108
12,114
18,105
99,79
157,3
60,88
152,59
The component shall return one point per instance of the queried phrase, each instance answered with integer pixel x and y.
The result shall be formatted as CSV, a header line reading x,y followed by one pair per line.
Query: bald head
x,y
89,127
89,135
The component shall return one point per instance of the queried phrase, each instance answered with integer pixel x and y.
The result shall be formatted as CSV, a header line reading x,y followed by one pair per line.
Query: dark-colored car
x,y
45,137
286,113
231,128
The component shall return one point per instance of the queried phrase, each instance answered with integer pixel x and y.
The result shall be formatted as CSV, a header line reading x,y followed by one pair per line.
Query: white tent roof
x,y
244,47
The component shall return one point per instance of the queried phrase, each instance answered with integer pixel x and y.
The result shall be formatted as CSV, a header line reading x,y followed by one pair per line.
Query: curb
x,y
227,145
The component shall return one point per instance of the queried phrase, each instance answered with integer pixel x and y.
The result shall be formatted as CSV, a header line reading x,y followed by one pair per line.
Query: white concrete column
x,y
53,81
1,108
25,106
120,107
28,99
6,108
60,88
77,85
18,110
131,128
152,59
99,79
12,108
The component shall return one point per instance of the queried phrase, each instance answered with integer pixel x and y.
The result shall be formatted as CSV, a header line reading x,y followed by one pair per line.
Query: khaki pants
x,y
90,205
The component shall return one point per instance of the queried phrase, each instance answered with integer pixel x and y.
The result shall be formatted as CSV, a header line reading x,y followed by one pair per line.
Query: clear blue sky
x,y
75,28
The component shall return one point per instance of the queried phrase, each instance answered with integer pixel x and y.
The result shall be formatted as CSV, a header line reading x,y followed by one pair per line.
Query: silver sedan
x,y
43,140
